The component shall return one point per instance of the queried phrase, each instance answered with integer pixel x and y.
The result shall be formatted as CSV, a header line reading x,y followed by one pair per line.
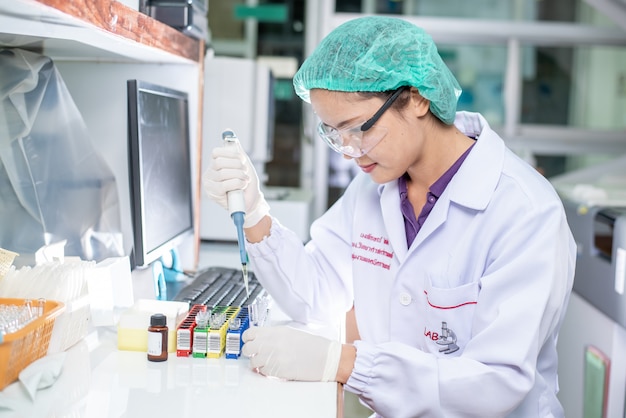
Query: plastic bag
x,y
53,184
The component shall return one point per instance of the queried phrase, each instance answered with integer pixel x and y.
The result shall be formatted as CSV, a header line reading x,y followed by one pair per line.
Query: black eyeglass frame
x,y
371,121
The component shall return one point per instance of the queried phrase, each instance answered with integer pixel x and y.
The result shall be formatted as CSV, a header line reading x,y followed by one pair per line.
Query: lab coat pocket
x,y
449,316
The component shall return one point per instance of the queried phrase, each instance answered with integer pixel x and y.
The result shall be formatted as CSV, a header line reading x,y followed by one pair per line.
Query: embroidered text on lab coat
x,y
373,250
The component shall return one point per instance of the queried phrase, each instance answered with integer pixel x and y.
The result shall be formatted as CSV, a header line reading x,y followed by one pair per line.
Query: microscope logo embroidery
x,y
447,339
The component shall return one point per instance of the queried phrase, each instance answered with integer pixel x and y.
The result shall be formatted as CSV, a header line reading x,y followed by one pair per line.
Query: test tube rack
x,y
234,342
184,332
217,333
222,334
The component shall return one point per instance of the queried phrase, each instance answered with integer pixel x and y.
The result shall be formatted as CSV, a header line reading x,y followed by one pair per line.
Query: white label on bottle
x,y
154,343
620,270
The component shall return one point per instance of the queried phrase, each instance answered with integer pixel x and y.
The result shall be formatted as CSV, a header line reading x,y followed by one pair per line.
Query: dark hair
x,y
400,103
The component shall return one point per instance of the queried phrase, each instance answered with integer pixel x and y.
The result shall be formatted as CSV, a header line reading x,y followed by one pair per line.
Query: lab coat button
x,y
405,298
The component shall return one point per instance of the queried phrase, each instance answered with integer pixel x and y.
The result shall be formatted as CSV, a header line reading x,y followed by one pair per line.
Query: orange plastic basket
x,y
21,348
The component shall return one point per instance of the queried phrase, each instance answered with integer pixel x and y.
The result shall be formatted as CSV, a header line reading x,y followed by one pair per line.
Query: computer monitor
x,y
159,170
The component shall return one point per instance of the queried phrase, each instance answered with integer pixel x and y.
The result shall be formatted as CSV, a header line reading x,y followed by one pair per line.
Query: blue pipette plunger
x,y
237,209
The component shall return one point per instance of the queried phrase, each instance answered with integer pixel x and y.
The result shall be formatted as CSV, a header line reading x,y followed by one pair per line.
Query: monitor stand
x,y
158,276
171,267
167,270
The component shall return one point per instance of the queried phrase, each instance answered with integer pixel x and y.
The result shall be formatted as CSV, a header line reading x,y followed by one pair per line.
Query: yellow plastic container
x,y
132,328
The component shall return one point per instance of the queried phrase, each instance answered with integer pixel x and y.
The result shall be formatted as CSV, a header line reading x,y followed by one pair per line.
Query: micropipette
x,y
237,209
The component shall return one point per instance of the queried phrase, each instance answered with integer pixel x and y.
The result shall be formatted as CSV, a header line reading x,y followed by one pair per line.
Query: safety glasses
x,y
359,139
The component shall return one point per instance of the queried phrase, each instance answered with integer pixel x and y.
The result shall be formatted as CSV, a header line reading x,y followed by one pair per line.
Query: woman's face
x,y
400,147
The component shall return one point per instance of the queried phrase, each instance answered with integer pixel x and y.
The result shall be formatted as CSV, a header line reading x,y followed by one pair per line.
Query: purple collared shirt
x,y
412,225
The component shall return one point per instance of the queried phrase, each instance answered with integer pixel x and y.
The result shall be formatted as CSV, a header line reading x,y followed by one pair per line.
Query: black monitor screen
x,y
159,168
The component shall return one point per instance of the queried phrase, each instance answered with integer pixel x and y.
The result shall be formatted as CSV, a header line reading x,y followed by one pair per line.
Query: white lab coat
x,y
463,323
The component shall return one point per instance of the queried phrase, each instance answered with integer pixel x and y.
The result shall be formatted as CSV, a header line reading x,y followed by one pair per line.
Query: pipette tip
x,y
244,270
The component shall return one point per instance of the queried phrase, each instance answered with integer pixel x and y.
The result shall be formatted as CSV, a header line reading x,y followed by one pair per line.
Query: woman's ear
x,y
420,104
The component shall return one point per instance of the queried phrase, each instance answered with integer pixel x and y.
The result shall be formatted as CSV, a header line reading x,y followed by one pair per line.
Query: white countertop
x,y
99,381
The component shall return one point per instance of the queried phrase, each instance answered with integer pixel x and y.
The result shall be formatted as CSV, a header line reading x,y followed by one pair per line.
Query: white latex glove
x,y
231,169
291,354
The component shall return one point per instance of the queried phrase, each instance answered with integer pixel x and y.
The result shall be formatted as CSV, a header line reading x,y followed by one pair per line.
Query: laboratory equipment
x,y
200,337
160,176
259,310
236,328
220,311
22,347
209,334
221,317
184,331
131,328
594,199
157,337
237,210
187,16
601,267
595,204
15,317
239,92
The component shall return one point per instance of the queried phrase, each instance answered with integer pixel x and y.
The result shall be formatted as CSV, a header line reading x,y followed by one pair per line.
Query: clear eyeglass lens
x,y
351,141
346,141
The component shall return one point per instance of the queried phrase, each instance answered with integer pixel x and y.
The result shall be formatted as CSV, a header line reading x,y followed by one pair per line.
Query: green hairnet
x,y
377,53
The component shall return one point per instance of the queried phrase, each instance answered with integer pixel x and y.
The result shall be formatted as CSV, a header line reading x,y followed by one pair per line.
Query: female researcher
x,y
454,254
